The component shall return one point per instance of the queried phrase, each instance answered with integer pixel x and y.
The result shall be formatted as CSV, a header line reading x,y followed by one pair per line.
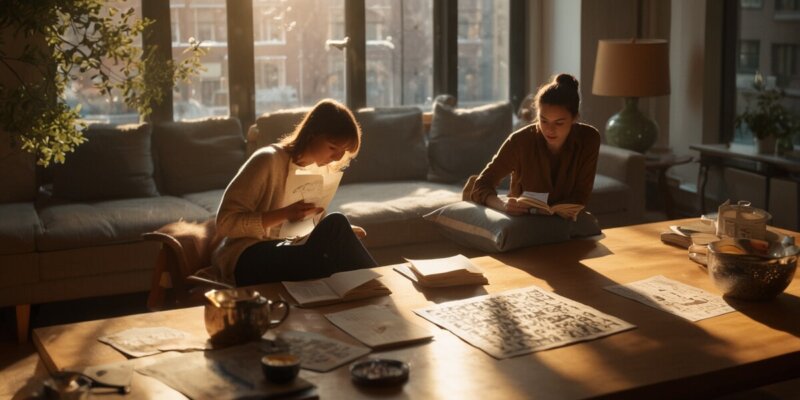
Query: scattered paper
x,y
674,297
318,352
522,321
231,373
141,342
378,326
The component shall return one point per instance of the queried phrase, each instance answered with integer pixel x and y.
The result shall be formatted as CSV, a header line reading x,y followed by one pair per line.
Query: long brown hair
x,y
330,119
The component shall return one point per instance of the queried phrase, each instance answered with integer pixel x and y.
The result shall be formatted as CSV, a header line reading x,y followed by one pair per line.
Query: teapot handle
x,y
278,304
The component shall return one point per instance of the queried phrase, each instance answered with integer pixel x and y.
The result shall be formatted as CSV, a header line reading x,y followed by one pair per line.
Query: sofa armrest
x,y
625,166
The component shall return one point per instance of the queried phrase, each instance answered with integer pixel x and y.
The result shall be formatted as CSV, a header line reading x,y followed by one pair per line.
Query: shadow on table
x,y
776,313
659,339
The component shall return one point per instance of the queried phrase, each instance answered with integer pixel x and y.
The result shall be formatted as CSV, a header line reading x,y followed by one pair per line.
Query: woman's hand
x,y
359,231
510,206
300,210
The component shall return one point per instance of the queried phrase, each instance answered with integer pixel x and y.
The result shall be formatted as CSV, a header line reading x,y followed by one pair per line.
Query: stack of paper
x,y
441,272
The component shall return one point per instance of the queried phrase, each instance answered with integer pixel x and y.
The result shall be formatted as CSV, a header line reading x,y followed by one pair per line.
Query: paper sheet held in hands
x,y
311,184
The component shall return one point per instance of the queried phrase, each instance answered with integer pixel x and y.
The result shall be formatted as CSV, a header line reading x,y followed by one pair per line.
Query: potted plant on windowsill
x,y
770,122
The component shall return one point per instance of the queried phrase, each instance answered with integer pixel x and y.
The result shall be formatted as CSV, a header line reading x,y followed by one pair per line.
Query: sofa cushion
x,y
480,227
114,162
195,156
272,126
17,173
209,200
608,196
392,146
392,212
19,225
463,141
75,225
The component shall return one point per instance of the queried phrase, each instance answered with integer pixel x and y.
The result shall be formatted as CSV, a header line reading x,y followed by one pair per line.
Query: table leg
x,y
23,322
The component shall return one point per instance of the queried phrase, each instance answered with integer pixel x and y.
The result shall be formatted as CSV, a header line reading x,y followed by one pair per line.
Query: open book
x,y
539,203
442,272
339,287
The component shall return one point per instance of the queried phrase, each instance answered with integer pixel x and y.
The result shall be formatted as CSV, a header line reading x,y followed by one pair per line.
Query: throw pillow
x,y
480,227
196,156
462,141
273,126
392,146
114,162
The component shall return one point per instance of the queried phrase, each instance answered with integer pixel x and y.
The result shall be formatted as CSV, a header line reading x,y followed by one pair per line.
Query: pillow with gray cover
x,y
196,156
392,146
483,228
462,141
114,162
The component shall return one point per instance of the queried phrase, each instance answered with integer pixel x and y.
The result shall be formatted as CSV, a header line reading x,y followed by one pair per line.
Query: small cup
x,y
280,368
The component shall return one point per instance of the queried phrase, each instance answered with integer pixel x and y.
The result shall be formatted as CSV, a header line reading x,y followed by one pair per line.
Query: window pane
x,y
770,44
483,29
293,65
399,52
96,106
207,94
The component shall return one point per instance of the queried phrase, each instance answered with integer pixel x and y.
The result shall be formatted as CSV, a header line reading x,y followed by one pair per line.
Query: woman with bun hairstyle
x,y
556,154
249,218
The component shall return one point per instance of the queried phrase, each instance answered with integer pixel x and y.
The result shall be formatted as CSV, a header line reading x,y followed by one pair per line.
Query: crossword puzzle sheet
x,y
522,321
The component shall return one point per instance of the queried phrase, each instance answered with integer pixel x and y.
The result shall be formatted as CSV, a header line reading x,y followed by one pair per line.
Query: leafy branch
x,y
768,117
65,42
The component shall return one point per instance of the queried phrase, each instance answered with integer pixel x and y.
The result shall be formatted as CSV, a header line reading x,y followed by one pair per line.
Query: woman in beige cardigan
x,y
249,217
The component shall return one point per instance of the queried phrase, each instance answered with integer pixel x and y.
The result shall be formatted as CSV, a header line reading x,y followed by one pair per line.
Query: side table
x,y
659,165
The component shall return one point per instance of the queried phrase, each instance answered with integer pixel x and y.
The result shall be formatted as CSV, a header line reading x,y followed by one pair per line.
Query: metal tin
x,y
742,220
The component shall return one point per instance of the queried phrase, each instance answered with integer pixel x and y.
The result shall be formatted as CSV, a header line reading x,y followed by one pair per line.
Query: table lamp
x,y
631,68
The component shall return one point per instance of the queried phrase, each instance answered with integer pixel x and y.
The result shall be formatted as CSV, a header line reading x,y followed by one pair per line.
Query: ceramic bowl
x,y
746,276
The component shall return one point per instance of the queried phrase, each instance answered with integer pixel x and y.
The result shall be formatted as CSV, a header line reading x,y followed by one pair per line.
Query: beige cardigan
x,y
257,188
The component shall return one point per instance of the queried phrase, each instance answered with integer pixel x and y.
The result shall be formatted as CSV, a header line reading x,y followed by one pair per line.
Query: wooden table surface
x,y
665,356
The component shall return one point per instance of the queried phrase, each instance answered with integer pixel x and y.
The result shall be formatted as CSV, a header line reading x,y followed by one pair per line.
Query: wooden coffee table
x,y
664,356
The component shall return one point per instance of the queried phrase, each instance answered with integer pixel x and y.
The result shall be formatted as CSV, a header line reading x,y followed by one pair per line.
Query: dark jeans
x,y
331,247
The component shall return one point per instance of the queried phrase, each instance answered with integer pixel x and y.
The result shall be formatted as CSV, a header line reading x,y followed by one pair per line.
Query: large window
x,y
483,52
94,105
768,45
399,48
206,94
293,65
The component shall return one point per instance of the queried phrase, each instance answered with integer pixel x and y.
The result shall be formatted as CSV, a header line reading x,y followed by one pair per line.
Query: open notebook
x,y
339,287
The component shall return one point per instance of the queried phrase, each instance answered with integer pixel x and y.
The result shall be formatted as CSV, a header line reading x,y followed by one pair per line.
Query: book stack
x,y
442,272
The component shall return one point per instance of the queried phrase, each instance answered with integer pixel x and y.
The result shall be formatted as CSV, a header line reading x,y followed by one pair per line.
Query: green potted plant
x,y
47,45
770,122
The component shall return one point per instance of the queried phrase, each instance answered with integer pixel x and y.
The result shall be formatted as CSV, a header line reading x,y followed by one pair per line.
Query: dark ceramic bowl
x,y
280,368
746,276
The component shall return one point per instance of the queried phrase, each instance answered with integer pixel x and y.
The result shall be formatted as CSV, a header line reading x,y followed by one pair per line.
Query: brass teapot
x,y
235,316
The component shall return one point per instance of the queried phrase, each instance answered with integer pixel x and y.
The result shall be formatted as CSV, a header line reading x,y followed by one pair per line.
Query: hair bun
x,y
567,80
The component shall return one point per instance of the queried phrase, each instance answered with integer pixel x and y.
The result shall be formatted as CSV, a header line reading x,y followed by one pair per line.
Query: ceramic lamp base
x,y
630,129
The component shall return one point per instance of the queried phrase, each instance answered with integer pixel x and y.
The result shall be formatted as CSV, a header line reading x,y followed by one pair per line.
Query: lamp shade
x,y
631,68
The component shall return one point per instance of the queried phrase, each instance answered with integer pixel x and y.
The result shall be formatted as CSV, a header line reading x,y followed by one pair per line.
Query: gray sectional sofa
x,y
74,230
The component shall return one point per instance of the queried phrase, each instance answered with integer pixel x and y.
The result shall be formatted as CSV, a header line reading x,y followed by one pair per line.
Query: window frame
x,y
241,61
